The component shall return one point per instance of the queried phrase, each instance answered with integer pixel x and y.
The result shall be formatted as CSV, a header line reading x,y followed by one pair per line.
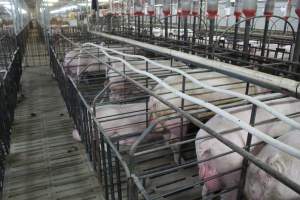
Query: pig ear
x,y
276,163
206,153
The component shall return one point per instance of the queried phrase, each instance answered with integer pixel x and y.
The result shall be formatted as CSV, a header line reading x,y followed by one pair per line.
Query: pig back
x,y
211,78
264,122
260,185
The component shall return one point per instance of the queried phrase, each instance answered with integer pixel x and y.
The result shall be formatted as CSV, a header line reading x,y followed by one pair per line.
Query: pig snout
x,y
206,172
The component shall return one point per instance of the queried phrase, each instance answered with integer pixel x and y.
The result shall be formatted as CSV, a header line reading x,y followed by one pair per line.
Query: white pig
x,y
158,109
206,148
120,89
121,120
262,186
75,63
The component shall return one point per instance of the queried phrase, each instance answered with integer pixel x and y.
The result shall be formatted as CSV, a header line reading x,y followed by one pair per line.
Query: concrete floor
x,y
45,162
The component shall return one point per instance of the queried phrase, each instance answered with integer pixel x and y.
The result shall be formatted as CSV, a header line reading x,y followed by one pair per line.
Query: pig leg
x,y
174,128
76,136
230,195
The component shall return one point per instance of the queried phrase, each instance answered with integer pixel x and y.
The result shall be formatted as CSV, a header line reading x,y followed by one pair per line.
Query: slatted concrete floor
x,y
45,162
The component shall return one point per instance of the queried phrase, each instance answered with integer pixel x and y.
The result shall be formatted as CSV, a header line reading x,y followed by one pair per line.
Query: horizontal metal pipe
x,y
256,77
294,186
269,140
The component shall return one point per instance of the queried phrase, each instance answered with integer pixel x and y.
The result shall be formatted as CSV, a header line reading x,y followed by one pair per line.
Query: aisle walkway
x,y
45,162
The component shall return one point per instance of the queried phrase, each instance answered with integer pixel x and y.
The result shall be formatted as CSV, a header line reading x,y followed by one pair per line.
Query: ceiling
x,y
56,3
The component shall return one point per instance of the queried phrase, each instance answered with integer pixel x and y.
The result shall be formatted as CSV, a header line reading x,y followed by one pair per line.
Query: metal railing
x,y
12,49
121,174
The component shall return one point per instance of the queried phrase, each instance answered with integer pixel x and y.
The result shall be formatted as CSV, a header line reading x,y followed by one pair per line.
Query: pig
x,y
262,186
122,120
132,120
121,89
2,73
206,148
75,63
76,135
158,109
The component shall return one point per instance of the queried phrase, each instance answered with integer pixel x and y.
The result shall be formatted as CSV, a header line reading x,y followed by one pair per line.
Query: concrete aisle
x,y
45,162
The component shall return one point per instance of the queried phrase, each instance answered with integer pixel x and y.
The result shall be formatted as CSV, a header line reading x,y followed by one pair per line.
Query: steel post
x,y
166,27
245,160
285,27
200,15
178,27
296,55
247,37
236,30
194,30
211,36
151,26
264,41
185,26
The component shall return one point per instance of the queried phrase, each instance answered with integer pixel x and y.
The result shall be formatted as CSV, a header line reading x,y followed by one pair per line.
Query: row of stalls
x,y
258,31
264,39
210,114
14,20
141,138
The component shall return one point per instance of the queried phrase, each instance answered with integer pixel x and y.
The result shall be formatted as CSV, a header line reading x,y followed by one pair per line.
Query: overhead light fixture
x,y
63,9
52,1
9,6
23,11
4,3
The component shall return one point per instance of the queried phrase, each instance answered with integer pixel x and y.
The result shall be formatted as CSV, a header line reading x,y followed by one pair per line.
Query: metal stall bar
x,y
222,140
272,82
201,84
9,87
223,113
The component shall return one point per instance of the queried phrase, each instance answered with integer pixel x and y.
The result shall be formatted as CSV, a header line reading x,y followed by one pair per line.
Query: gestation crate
x,y
157,128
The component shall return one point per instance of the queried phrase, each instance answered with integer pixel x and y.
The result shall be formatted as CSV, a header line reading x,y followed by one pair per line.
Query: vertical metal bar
x,y
200,15
181,118
285,27
166,27
296,56
139,26
142,25
178,27
135,25
236,30
132,190
171,15
264,41
194,30
151,27
110,173
86,131
247,88
185,27
118,176
211,36
147,101
245,161
98,153
94,142
246,38
104,165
